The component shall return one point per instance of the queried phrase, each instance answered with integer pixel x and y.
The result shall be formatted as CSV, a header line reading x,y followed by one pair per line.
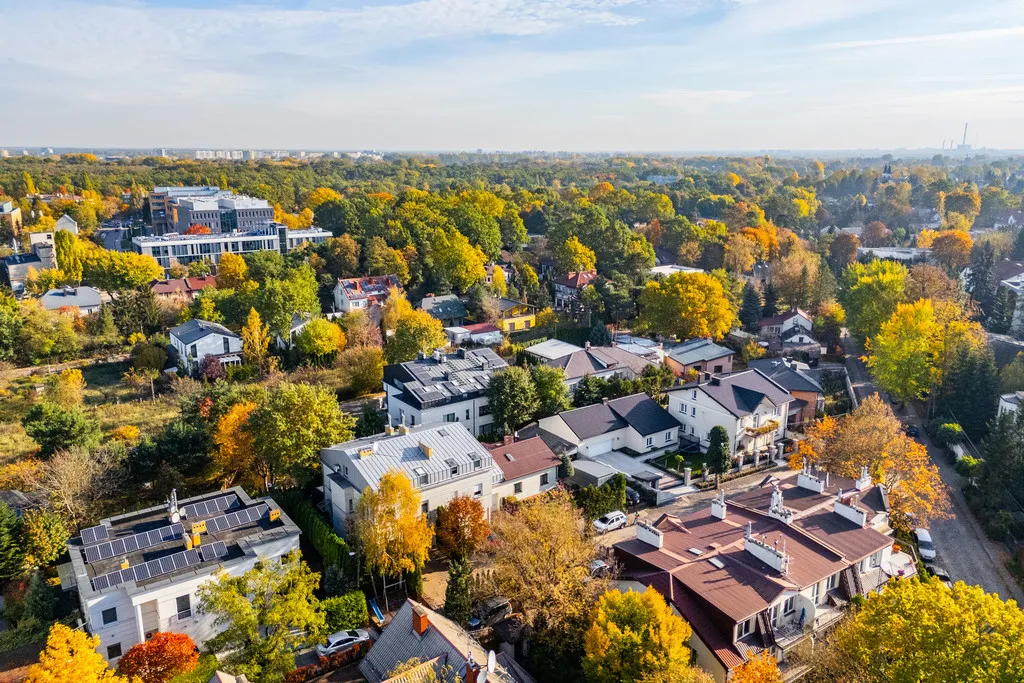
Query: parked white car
x,y
611,521
342,640
925,544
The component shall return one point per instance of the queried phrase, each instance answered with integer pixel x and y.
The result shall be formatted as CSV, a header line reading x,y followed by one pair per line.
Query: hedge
x,y
318,532
326,665
346,611
595,501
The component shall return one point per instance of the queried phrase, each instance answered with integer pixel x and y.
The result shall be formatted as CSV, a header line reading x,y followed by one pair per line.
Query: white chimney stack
x,y
865,479
718,506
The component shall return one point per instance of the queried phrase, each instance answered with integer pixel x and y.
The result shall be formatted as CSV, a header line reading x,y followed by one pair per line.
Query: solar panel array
x,y
213,551
94,534
148,570
210,507
230,521
131,544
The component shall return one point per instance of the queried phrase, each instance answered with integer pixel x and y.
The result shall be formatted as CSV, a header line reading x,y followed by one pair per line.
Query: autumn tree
x,y
843,250
392,530
461,526
416,332
160,658
687,305
875,234
952,249
235,455
761,668
871,436
741,254
232,272
65,389
512,397
870,293
266,615
923,631
255,341
45,536
904,352
634,637
197,229
572,256
925,281
71,655
320,341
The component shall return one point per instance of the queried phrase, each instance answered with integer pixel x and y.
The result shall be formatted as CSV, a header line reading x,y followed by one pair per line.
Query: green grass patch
x,y
667,463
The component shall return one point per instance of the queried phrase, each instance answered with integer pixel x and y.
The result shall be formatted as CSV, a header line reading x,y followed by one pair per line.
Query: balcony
x,y
767,428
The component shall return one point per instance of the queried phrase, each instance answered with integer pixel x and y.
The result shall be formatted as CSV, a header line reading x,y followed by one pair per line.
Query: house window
x,y
526,325
485,410
345,468
773,614
650,441
692,430
718,369
194,351
668,437
744,628
425,508
831,582
478,490
467,413
109,616
114,651
816,594
227,345
511,326
544,479
694,395
454,470
789,606
423,480
477,463
693,411
351,504
450,417
184,607
757,420
518,488
876,559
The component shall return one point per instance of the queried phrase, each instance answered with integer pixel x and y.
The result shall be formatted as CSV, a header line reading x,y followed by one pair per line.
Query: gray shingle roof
x,y
79,297
638,411
788,377
444,307
698,350
741,392
195,329
599,359
443,639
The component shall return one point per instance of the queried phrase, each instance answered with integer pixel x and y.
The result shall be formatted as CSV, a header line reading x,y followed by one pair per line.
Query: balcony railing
x,y
767,428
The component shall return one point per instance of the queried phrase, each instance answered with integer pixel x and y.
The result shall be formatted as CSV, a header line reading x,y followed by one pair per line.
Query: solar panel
x,y
105,551
100,582
191,557
207,552
94,534
131,544
166,565
117,546
213,524
141,572
92,554
153,567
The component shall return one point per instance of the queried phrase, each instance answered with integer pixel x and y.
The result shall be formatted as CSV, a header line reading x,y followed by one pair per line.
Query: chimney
x,y
509,439
427,450
389,430
865,479
403,429
586,345
472,671
718,506
420,620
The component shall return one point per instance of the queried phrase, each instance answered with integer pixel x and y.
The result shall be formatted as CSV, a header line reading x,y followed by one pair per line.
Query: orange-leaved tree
x,y
761,669
461,526
197,229
71,656
235,456
160,658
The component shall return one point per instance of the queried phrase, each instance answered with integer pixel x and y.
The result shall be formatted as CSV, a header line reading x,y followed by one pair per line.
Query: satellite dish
x,y
175,517
492,663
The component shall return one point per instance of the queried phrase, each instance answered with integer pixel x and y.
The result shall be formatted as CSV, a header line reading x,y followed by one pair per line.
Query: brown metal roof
x,y
522,458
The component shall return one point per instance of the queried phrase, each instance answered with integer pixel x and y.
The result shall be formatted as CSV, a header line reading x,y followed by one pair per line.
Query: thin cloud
x,y
687,99
956,36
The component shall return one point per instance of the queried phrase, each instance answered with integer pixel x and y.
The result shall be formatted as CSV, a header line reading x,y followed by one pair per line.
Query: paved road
x,y
963,549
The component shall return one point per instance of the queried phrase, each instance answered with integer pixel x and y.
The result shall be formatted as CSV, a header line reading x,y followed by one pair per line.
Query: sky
x,y
581,75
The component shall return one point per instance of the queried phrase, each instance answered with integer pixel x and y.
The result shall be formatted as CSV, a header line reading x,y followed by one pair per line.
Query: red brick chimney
x,y
472,671
509,439
420,620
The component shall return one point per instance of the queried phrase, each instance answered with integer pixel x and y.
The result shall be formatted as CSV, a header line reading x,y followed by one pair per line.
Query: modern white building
x,y
752,408
173,247
162,199
443,388
196,339
634,422
441,460
137,574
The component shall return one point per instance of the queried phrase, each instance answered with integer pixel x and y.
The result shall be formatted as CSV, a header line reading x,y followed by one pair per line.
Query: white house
x,y
137,574
196,339
569,287
85,299
443,388
528,467
441,460
1008,403
360,293
780,325
635,422
752,408
295,327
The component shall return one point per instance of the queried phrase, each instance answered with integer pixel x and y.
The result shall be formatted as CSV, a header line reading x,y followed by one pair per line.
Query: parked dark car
x,y
490,612
912,431
632,496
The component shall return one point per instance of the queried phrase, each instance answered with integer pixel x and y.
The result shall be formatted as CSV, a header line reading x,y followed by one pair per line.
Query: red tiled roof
x,y
783,317
480,328
577,280
196,284
527,457
168,286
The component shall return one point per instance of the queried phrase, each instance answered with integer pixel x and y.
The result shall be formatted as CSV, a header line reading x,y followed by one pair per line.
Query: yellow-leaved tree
x,y
687,305
255,341
235,457
71,656
904,352
634,637
393,532
761,668
871,436
232,272
573,256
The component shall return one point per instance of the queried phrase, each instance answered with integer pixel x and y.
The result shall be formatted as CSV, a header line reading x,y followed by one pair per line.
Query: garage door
x,y
599,448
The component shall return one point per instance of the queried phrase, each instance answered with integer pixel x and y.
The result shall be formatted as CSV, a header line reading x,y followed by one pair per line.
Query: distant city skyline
x,y
570,75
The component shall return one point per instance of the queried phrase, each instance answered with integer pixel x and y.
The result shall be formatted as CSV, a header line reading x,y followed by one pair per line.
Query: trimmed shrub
x,y
318,532
346,611
595,501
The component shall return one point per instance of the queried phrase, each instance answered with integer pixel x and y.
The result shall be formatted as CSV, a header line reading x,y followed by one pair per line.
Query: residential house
x,y
590,473
528,467
360,293
41,255
569,287
189,286
447,308
515,315
1009,403
905,255
551,350
83,299
137,574
67,223
194,340
779,325
752,408
1009,218
484,334
796,378
10,217
640,346
441,460
599,361
446,652
443,388
699,355
634,422
672,269
769,569
490,269
295,327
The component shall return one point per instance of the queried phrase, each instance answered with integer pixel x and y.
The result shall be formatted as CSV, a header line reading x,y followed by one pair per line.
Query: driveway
x,y
620,462
963,549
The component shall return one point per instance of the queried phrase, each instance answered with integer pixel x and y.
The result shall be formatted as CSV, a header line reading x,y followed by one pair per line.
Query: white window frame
x,y
650,441
831,582
789,606
816,593
668,436
744,628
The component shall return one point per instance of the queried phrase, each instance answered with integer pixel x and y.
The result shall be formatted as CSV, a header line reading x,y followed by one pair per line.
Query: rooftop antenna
x,y
965,133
